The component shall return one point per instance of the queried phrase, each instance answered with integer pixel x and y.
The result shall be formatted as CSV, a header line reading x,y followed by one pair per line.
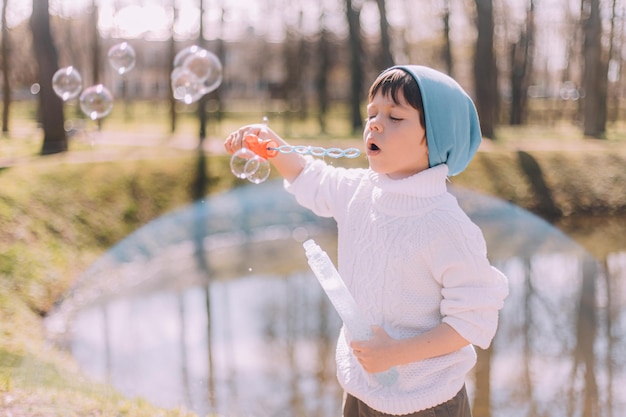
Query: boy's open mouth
x,y
373,147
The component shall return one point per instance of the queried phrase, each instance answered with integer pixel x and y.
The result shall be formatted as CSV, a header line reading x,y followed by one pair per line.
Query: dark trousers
x,y
456,407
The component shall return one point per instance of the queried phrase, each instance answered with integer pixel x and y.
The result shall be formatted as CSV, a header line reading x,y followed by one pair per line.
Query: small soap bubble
x,y
300,234
67,83
257,170
122,57
249,269
185,85
96,101
245,164
239,161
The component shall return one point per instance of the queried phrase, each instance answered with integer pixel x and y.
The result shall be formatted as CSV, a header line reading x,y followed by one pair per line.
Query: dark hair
x,y
391,82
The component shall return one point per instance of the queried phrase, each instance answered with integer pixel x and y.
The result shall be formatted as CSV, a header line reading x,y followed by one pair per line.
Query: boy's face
x,y
395,140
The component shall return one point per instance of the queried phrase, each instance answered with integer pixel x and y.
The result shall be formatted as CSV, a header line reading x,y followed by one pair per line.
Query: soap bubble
x,y
246,164
122,57
96,101
196,72
207,67
239,160
185,85
257,170
184,54
67,83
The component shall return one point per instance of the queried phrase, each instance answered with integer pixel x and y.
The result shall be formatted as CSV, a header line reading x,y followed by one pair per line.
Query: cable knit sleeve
x,y
473,291
324,188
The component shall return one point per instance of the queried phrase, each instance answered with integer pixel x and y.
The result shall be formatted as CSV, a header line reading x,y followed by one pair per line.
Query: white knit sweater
x,y
412,259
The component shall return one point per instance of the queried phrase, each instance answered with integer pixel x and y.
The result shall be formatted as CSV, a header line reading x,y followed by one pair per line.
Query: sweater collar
x,y
411,193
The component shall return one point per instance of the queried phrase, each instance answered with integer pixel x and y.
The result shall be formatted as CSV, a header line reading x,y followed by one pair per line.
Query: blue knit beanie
x,y
452,128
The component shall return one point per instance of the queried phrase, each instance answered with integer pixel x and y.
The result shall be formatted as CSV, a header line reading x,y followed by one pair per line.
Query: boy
x,y
413,260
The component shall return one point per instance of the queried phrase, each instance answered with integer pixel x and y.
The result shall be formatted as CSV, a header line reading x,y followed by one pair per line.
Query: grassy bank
x,y
57,215
60,213
586,178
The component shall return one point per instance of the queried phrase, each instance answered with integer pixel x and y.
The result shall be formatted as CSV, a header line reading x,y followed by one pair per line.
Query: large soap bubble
x,y
96,101
196,72
122,57
67,83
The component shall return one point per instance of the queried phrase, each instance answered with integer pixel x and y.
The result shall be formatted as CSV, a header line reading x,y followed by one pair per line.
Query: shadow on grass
x,y
543,194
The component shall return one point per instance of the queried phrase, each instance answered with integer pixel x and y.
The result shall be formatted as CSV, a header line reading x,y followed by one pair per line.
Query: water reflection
x,y
233,322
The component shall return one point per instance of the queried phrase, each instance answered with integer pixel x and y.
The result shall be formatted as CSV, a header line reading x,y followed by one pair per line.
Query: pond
x,y
214,308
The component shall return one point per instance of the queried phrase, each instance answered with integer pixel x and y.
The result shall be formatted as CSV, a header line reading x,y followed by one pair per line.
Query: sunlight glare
x,y
136,21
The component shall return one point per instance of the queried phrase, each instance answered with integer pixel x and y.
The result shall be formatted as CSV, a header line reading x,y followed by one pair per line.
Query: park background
x,y
547,78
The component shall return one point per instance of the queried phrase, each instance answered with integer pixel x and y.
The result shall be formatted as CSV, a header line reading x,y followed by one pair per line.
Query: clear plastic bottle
x,y
339,295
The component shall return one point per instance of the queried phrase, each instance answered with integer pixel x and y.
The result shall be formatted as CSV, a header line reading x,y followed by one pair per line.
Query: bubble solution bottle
x,y
342,300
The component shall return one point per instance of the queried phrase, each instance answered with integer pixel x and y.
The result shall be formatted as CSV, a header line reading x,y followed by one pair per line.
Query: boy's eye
x,y
393,119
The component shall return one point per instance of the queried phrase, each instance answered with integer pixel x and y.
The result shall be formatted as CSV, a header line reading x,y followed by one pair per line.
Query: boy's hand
x,y
236,139
267,148
288,165
376,354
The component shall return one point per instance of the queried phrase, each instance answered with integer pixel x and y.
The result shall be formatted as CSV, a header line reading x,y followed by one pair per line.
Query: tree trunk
x,y
95,39
321,80
482,377
95,57
221,55
356,67
485,70
447,44
50,105
616,42
386,58
170,68
595,78
6,69
202,116
521,69
294,51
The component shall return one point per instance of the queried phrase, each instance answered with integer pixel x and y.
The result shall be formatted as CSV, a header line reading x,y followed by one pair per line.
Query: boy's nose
x,y
375,126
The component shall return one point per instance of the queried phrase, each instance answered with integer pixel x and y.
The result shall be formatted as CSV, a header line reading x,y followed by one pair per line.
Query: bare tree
x,y
482,378
6,68
586,338
220,51
172,55
572,39
386,58
485,69
50,105
95,48
95,39
323,69
353,13
522,53
294,50
595,77
616,42
202,116
447,44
